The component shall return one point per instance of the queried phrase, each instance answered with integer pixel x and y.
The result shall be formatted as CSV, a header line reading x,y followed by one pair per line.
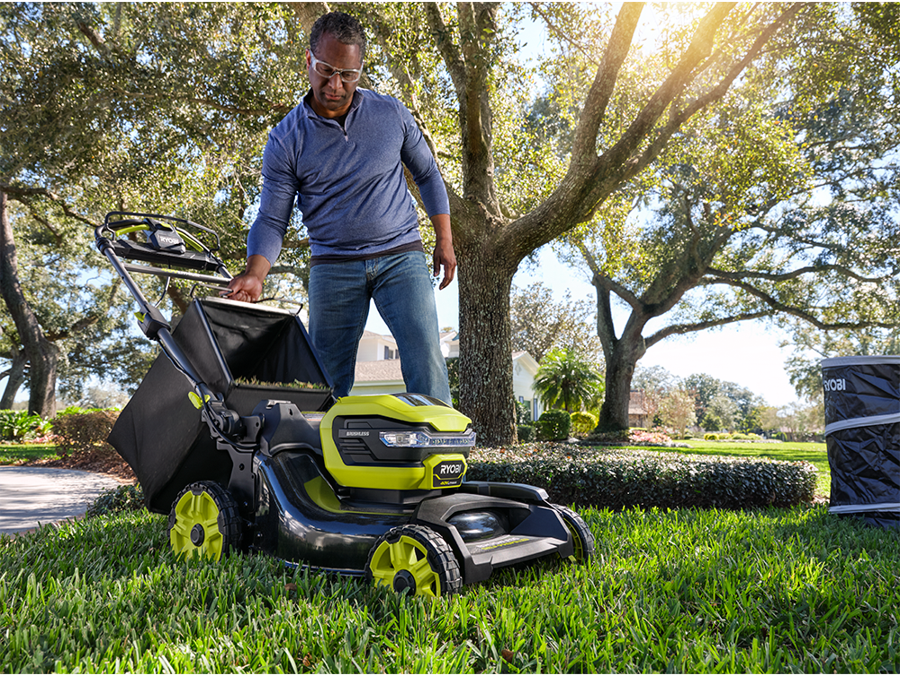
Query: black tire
x,y
204,521
581,533
414,558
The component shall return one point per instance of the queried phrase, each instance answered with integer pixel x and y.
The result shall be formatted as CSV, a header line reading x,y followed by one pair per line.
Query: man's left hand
x,y
444,255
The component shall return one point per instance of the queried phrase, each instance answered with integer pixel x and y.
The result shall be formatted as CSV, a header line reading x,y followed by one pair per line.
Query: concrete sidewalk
x,y
32,496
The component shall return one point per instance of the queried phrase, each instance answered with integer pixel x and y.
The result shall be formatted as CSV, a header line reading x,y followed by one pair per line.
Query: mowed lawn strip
x,y
771,590
18,453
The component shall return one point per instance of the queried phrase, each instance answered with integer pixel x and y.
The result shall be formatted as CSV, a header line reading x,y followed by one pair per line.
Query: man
x,y
342,150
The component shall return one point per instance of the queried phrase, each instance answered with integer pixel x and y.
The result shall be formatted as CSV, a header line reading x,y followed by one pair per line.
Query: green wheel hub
x,y
582,537
415,559
204,522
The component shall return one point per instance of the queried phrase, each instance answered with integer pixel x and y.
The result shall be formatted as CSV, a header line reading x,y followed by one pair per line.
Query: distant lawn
x,y
12,454
814,453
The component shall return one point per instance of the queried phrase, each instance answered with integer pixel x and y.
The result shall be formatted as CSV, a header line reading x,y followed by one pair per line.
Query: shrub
x,y
523,413
118,500
525,432
710,437
619,479
15,425
553,425
583,422
84,431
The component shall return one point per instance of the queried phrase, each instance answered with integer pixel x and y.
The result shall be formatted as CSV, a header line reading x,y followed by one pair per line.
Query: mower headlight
x,y
424,439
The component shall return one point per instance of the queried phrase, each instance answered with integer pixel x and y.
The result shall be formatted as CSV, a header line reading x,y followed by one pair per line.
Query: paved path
x,y
30,496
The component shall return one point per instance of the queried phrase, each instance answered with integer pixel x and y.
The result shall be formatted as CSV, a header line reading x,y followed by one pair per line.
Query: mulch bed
x,y
98,461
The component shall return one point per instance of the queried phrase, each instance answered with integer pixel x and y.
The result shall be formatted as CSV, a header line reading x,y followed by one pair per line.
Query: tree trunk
x,y
42,354
15,379
485,364
619,372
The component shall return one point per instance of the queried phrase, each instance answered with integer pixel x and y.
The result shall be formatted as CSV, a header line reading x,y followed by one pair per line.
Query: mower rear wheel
x,y
414,558
204,521
581,533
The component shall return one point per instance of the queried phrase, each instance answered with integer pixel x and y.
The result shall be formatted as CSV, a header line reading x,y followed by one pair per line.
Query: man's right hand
x,y
248,286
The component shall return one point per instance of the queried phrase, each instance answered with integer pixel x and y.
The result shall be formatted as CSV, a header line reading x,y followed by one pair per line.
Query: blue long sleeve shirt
x,y
348,180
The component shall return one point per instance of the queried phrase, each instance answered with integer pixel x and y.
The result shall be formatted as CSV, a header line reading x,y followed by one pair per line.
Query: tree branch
x,y
584,146
782,308
793,274
24,195
684,328
560,34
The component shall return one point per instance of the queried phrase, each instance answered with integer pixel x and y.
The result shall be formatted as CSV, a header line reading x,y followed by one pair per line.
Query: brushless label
x,y
499,542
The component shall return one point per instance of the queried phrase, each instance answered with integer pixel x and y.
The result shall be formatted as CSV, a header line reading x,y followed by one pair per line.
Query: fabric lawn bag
x,y
862,434
160,432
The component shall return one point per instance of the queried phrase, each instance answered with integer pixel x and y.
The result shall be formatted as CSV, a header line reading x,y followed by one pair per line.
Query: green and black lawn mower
x,y
236,434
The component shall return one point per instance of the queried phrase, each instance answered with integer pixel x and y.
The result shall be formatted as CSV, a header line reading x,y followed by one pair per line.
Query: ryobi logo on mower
x,y
448,473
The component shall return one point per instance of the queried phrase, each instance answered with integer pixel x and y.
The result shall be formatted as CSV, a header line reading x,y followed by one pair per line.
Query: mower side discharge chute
x,y
235,433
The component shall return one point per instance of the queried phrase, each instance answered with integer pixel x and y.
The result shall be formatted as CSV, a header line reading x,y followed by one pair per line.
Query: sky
x,y
746,353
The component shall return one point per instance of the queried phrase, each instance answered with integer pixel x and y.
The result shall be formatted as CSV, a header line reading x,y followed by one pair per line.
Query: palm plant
x,y
567,379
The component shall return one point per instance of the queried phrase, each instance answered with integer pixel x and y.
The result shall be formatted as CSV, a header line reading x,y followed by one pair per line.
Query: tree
x,y
677,410
154,108
488,161
170,81
721,405
568,380
737,228
655,382
811,346
540,325
40,352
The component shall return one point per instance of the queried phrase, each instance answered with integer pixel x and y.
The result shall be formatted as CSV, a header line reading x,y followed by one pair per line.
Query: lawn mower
x,y
236,434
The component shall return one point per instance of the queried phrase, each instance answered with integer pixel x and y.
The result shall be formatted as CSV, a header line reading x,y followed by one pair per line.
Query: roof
x,y
379,371
369,335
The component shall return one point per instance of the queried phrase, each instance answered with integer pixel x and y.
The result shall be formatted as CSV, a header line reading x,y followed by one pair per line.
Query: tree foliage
x,y
677,410
776,203
169,103
159,108
539,324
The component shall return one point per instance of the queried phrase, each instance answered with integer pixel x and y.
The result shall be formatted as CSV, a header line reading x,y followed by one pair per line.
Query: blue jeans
x,y
400,285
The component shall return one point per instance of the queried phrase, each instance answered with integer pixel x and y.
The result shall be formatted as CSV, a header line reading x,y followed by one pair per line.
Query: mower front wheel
x,y
581,534
414,558
204,520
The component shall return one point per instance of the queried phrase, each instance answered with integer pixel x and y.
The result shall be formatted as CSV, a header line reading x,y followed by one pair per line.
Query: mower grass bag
x,y
160,432
862,434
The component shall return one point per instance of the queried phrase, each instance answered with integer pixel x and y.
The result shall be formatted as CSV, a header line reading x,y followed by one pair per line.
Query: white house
x,y
378,368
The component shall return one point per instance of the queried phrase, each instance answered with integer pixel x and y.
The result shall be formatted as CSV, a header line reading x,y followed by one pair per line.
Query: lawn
x,y
773,590
18,453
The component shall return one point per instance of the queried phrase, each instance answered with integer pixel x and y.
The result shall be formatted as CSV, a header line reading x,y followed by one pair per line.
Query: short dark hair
x,y
343,28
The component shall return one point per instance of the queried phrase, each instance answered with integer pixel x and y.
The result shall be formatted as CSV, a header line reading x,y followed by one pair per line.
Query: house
x,y
378,368
637,409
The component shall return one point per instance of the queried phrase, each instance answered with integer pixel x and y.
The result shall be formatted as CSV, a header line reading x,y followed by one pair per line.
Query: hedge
x,y
84,431
620,479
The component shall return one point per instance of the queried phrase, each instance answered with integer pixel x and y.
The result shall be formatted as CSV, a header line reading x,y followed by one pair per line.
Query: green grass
x,y
17,453
773,590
